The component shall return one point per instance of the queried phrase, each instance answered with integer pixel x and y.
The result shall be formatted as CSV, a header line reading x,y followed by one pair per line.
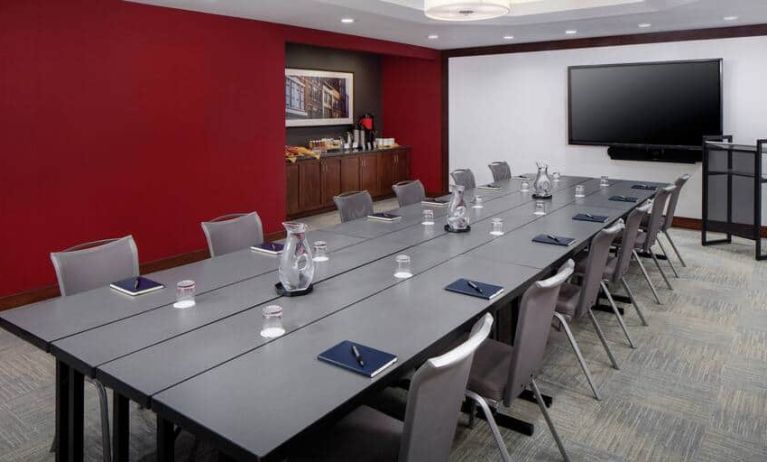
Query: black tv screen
x,y
650,104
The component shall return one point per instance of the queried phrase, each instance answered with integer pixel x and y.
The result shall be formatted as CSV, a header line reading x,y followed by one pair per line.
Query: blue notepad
x,y
624,199
590,217
644,187
486,291
553,240
136,286
491,186
383,216
342,355
271,248
435,202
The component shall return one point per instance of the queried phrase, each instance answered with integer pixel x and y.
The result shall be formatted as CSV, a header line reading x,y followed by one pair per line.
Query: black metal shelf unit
x,y
732,190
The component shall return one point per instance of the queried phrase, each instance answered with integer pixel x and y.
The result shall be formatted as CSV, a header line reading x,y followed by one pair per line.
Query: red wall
x,y
118,118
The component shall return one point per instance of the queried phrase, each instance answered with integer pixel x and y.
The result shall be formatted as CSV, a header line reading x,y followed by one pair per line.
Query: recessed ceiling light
x,y
645,25
571,32
730,18
433,37
347,20
508,37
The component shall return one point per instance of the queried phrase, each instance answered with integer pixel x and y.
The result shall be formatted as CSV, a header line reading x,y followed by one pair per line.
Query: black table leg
x,y
76,416
62,411
120,427
166,438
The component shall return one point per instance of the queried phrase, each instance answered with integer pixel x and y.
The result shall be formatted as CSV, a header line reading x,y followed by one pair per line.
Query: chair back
x,y
434,400
656,216
409,192
500,170
230,233
672,201
95,264
599,250
630,233
464,177
536,309
353,205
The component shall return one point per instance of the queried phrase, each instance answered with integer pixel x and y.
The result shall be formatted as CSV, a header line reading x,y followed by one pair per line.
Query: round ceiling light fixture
x,y
466,10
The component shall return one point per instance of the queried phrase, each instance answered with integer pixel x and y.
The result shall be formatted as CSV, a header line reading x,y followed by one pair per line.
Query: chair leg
x,y
549,422
617,313
603,339
491,421
670,263
647,277
633,300
662,273
676,251
578,355
104,408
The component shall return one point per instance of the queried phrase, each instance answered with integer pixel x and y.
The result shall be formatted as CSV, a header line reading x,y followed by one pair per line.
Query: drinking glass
x,y
428,217
580,191
604,182
497,227
272,326
403,267
540,208
525,186
556,176
185,294
477,202
320,251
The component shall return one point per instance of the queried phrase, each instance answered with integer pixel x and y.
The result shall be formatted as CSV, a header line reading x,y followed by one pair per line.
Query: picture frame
x,y
315,98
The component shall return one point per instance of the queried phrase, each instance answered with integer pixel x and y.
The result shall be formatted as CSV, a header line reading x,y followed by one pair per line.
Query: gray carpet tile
x,y
694,389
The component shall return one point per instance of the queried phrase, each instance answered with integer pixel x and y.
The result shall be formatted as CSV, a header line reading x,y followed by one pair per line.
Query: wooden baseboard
x,y
44,293
697,224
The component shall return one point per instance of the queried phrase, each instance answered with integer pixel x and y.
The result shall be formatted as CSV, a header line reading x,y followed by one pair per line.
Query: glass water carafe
x,y
458,214
296,264
542,183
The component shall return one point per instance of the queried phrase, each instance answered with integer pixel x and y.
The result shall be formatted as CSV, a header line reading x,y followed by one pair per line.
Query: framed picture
x,y
318,98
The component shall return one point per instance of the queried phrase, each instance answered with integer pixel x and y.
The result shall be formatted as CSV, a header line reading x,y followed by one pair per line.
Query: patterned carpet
x,y
694,389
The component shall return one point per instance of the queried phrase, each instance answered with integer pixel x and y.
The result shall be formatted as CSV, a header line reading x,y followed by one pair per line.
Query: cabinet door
x,y
310,184
369,173
291,174
350,173
386,172
331,180
402,166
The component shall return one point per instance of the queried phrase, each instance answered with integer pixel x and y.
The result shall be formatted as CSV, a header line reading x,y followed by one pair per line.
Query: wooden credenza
x,y
312,183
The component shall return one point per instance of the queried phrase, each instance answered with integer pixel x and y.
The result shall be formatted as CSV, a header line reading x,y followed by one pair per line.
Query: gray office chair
x,y
500,170
233,232
646,239
575,301
501,373
353,205
464,177
431,415
86,267
409,192
668,221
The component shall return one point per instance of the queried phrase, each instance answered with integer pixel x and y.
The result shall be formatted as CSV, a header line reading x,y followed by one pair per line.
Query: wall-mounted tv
x,y
645,105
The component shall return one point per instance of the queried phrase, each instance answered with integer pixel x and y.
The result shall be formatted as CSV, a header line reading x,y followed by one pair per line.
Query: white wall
x,y
513,107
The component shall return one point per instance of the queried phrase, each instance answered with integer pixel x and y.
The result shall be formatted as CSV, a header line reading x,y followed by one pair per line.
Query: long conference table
x,y
208,370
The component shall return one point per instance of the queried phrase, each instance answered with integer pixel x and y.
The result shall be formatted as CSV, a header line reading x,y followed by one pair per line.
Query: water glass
x,y
556,176
540,208
320,251
497,227
580,191
525,186
403,267
272,326
428,217
477,202
604,182
185,294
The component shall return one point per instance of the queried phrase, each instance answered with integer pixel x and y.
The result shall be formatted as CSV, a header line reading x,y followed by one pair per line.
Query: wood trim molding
x,y
614,40
44,293
696,224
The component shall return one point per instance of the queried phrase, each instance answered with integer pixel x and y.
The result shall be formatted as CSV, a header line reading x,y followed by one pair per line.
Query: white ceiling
x,y
541,20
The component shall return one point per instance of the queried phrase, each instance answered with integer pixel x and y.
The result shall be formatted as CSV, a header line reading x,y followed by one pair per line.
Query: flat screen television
x,y
648,105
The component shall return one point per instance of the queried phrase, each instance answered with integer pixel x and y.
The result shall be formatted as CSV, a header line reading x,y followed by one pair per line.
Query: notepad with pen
x,y
553,240
383,216
475,289
435,202
590,217
624,199
491,186
644,187
270,248
366,360
136,286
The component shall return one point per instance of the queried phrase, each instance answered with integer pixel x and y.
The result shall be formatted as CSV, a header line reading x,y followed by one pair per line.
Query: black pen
x,y
136,283
357,355
475,286
590,215
553,238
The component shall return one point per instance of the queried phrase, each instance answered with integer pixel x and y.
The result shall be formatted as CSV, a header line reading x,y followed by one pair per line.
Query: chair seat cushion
x,y
568,299
490,369
364,434
612,264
